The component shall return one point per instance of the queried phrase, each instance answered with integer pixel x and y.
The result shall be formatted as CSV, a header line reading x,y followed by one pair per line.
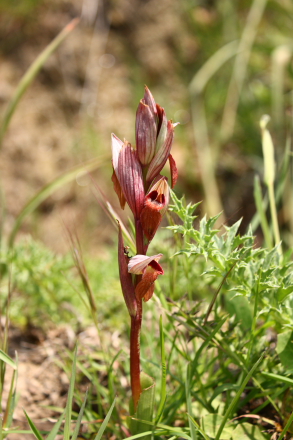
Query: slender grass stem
x,y
240,67
253,327
232,405
286,428
274,217
31,74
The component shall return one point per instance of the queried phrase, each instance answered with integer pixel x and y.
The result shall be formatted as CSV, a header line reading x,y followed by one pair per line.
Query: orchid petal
x,y
138,263
145,287
155,205
149,100
130,177
173,170
118,190
146,132
117,145
162,129
150,221
162,155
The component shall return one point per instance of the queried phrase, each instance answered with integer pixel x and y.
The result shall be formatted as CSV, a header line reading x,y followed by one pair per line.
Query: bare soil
x,y
42,383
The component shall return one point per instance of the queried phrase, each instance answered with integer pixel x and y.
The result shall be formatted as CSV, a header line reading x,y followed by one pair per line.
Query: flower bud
x,y
146,133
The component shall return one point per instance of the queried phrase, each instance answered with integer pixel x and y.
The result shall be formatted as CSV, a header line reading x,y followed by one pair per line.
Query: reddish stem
x,y
135,354
135,329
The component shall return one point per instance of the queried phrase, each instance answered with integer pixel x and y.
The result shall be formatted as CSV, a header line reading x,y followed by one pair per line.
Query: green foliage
x,y
41,292
248,271
19,8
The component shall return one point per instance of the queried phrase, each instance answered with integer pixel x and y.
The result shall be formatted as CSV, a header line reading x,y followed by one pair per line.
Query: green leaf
x,y
78,421
246,431
233,404
34,429
278,378
11,402
105,422
239,306
5,358
193,429
68,410
145,406
56,427
285,349
164,372
211,424
261,207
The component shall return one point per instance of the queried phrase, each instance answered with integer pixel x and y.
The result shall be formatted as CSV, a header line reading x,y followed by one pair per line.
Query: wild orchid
x,y
138,182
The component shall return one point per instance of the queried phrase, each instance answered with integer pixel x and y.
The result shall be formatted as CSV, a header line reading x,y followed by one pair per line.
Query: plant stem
x,y
135,354
135,328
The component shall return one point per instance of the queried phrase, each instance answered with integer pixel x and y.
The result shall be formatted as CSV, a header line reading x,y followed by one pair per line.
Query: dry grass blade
x,y
32,73
48,189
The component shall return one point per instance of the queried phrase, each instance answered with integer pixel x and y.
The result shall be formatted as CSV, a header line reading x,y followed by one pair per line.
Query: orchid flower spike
x,y
150,270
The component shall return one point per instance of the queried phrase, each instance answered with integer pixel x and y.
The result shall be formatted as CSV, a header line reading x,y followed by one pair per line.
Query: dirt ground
x,y
42,383
83,93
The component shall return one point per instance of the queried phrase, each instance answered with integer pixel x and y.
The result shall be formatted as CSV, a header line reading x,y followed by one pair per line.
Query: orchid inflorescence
x,y
138,182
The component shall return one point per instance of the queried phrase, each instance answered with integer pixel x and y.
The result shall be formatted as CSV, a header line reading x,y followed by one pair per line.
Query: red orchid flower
x,y
155,205
150,270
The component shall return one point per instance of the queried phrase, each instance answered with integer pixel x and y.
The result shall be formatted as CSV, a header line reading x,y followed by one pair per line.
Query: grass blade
x,y
193,431
196,425
240,67
232,405
278,377
31,73
164,372
79,418
48,189
260,206
105,422
68,410
5,358
286,428
33,427
8,415
56,427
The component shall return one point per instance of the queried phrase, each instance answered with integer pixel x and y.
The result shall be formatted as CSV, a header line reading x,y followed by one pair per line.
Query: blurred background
x,y
215,66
